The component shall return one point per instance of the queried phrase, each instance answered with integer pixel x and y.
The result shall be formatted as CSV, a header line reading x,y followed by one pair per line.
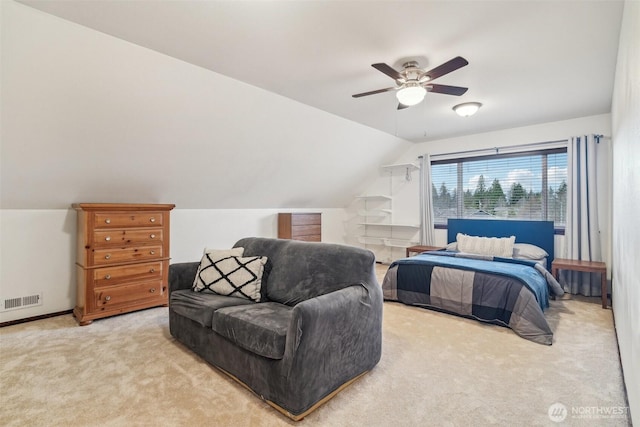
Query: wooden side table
x,y
419,248
586,266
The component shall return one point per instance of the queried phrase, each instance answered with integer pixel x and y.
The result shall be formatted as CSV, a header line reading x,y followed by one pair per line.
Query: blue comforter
x,y
521,270
501,291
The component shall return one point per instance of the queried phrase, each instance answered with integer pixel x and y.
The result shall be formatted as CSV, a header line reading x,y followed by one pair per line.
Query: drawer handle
x,y
107,238
107,256
107,277
153,270
153,236
108,221
152,290
107,298
152,219
152,252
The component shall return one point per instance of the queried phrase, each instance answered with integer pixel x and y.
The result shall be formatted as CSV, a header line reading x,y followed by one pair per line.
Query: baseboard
x,y
31,319
624,383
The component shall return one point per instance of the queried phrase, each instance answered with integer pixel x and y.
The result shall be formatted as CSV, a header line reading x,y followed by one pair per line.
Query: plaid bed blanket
x,y
500,291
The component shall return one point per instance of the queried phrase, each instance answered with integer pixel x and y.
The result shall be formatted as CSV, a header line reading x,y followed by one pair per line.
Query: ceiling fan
x,y
412,83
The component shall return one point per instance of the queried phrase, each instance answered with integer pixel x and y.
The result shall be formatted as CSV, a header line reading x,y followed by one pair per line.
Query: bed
x,y
481,282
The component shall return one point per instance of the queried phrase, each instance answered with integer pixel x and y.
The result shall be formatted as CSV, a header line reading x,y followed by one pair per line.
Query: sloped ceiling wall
x,y
88,117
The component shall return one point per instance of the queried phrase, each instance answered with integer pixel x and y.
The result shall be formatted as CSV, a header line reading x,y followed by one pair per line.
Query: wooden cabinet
x,y
122,258
300,226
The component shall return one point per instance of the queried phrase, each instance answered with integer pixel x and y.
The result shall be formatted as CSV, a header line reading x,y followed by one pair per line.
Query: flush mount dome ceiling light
x,y
467,109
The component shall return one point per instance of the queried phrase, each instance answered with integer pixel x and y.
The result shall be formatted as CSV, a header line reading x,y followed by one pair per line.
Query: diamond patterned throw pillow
x,y
231,276
216,254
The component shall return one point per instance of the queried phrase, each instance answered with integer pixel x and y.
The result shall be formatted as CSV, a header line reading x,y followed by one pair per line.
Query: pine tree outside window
x,y
526,186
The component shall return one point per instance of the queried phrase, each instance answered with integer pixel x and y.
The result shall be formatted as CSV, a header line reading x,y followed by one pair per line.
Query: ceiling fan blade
x,y
446,89
387,70
402,106
373,92
446,68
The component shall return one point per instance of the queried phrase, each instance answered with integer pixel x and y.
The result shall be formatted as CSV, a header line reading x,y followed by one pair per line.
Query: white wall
x,y
87,117
38,255
626,202
193,230
405,193
38,247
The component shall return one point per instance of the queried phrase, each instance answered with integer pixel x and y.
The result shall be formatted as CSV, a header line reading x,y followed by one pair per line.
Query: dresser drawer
x,y
309,238
298,231
131,236
124,219
110,276
117,296
305,219
300,226
119,255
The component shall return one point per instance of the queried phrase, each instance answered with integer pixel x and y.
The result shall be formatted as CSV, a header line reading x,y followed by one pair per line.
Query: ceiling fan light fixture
x,y
467,109
411,94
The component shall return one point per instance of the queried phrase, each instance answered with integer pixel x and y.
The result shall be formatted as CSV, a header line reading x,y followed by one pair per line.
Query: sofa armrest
x,y
335,337
182,275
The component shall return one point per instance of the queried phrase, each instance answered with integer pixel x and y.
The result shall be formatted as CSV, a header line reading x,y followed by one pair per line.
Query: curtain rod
x,y
497,149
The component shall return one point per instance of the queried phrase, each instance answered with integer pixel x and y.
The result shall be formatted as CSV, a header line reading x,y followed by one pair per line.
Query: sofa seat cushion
x,y
199,306
260,328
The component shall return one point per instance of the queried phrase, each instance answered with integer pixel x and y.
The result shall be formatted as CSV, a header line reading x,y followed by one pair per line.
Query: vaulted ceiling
x,y
247,104
529,61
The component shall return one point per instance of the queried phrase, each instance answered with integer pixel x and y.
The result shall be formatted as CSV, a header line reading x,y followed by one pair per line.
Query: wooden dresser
x,y
300,226
122,258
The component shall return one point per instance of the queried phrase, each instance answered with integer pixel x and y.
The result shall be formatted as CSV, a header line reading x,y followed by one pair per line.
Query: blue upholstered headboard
x,y
539,233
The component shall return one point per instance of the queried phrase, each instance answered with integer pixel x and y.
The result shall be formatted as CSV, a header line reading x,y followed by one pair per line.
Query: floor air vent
x,y
21,302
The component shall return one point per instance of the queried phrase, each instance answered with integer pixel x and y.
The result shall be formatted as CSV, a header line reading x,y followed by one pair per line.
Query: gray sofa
x,y
318,329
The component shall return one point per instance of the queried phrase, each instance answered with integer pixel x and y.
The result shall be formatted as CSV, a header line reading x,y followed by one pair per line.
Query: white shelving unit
x,y
369,240
410,166
376,212
377,230
375,197
377,224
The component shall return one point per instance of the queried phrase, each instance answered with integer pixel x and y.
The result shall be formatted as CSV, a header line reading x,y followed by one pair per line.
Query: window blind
x,y
531,186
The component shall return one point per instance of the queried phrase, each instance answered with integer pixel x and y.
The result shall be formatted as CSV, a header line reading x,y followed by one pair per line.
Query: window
x,y
531,186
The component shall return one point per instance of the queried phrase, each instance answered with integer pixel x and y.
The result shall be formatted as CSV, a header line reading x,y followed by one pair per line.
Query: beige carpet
x,y
436,369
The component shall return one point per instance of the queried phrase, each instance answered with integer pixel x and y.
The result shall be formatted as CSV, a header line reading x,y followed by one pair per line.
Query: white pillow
x,y
453,246
528,251
494,246
231,276
541,261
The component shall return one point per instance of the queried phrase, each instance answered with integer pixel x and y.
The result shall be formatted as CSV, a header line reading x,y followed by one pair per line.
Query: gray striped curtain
x,y
582,232
426,202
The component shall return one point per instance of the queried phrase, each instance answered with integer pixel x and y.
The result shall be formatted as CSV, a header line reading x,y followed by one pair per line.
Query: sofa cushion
x,y
303,270
231,275
199,307
259,328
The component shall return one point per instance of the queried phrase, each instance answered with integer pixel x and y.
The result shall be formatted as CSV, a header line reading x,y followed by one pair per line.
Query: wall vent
x,y
21,302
